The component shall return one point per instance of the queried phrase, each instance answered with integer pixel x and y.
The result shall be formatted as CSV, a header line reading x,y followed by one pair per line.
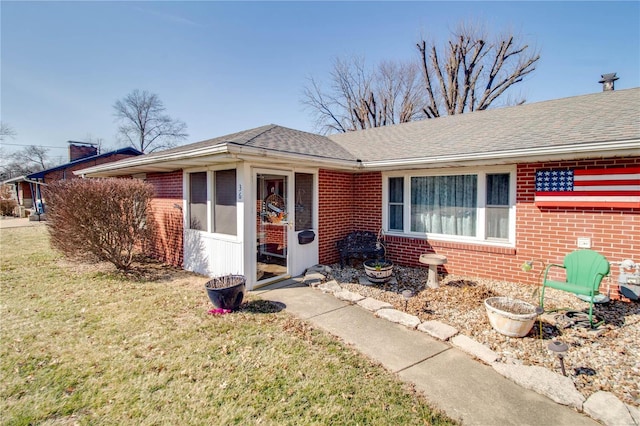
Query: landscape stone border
x,y
601,406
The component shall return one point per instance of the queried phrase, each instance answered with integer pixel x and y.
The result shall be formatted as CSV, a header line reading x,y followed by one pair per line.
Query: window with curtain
x,y
472,206
444,204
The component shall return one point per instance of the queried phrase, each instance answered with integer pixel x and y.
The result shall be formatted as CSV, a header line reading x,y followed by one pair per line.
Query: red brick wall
x,y
336,212
367,215
547,233
167,244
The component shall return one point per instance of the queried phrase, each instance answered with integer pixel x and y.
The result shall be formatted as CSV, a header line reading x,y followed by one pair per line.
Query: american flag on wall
x,y
618,187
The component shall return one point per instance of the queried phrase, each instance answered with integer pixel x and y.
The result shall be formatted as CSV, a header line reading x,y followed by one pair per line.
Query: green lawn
x,y
81,345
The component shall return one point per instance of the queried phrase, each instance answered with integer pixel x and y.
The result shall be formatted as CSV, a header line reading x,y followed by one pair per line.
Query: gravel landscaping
x,y
604,359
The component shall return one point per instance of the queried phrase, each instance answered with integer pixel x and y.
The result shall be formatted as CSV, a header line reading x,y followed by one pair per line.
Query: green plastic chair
x,y
585,269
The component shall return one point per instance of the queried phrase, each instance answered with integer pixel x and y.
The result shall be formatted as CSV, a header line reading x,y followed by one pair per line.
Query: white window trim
x,y
210,194
481,204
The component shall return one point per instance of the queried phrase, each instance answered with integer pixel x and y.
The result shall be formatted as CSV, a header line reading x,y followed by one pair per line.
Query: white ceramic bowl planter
x,y
378,271
511,317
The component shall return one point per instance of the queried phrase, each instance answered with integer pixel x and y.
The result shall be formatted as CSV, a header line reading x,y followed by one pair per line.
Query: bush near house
x,y
7,202
106,219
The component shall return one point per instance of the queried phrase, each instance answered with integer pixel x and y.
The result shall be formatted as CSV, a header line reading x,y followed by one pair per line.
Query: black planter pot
x,y
226,292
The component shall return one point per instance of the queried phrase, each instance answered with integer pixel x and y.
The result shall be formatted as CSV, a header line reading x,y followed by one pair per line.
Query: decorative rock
x,y
396,316
438,330
330,287
348,296
539,379
323,269
313,279
363,280
374,305
474,348
606,408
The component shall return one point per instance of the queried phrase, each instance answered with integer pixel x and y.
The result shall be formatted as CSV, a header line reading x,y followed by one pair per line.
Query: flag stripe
x,y
626,182
622,177
603,199
565,194
606,204
616,171
596,188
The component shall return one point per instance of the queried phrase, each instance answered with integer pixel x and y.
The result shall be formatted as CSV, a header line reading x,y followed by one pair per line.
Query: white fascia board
x,y
140,162
181,159
262,154
530,155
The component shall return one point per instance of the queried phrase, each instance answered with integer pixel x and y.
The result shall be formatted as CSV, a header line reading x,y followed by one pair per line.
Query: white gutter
x,y
567,152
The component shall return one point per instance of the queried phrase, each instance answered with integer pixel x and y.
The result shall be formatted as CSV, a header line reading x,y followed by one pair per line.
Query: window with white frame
x,y
198,201
475,206
220,186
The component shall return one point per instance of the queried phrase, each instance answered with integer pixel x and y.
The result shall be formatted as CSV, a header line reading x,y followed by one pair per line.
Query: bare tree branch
x,y
6,131
460,70
360,98
144,126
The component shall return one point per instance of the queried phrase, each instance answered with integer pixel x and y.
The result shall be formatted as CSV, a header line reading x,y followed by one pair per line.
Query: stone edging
x,y
601,406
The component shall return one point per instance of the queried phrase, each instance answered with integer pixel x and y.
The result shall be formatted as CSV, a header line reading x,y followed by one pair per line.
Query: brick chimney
x,y
607,81
78,150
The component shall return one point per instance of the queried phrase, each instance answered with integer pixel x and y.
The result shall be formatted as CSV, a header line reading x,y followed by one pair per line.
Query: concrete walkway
x,y
465,389
14,222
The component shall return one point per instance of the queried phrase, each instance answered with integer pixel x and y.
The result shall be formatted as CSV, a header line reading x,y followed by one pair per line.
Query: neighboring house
x,y
80,157
463,186
21,193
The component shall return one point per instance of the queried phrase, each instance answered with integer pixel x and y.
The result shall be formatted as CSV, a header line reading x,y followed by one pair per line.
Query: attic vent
x,y
607,81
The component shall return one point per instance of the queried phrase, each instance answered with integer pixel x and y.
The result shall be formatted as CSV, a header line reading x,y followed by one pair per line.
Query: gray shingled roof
x,y
559,125
274,138
598,117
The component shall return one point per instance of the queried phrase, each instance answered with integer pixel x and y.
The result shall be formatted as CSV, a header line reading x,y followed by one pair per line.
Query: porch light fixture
x,y
559,349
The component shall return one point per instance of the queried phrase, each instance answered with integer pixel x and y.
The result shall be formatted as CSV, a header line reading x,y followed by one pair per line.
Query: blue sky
x,y
227,66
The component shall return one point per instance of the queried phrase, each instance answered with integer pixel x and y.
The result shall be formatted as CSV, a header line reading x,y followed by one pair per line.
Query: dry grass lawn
x,y
80,344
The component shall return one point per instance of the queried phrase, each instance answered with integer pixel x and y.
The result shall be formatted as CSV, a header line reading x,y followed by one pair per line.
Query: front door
x,y
272,226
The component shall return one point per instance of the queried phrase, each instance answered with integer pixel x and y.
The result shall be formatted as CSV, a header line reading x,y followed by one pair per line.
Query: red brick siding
x,y
167,244
547,233
336,208
368,202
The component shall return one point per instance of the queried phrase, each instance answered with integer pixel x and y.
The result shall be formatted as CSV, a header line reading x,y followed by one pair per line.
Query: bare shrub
x,y
102,218
7,203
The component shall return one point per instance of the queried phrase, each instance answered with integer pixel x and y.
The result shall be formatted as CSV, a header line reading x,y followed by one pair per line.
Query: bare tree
x,y
6,131
98,142
144,124
360,98
471,72
33,157
29,159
